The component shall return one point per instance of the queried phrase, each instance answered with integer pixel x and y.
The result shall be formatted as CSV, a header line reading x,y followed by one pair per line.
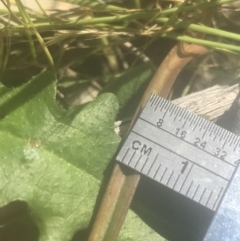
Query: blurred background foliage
x,y
99,45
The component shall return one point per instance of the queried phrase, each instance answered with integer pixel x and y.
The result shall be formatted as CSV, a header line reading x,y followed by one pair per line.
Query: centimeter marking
x,y
182,151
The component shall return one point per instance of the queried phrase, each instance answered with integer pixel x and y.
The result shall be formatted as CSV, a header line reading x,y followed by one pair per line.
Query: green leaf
x,y
134,229
125,86
54,159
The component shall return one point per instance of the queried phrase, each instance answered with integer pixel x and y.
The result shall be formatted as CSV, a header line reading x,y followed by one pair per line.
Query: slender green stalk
x,y
97,4
203,29
40,39
7,50
1,53
110,54
5,46
41,8
112,19
198,6
27,20
137,4
124,15
45,48
215,45
174,16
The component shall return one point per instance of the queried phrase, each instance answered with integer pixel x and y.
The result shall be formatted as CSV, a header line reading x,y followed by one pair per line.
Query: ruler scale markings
x,y
131,158
226,136
152,164
202,195
125,154
195,119
210,129
232,138
144,165
189,188
222,135
135,166
187,158
192,120
151,100
202,126
155,100
219,194
169,178
153,96
235,140
201,123
184,114
163,174
173,109
196,124
157,171
162,105
181,115
195,191
206,129
166,107
176,181
206,125
176,109
184,123
216,134
209,197
203,150
157,104
176,114
236,144
213,130
192,160
186,178
189,116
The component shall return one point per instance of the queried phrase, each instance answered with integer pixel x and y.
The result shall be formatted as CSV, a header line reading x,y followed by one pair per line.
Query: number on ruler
x,y
198,143
237,162
182,134
221,154
159,123
184,166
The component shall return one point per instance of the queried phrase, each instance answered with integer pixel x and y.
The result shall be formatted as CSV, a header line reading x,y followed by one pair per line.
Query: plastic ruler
x,y
190,155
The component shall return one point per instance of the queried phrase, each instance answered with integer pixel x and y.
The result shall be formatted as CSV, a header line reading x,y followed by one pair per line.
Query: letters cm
x,y
144,149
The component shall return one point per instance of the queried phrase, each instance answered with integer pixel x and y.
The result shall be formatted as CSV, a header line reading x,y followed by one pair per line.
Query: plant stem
x,y
215,45
202,29
115,204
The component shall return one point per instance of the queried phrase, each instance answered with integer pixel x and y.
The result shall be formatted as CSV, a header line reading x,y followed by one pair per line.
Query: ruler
x,y
182,151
